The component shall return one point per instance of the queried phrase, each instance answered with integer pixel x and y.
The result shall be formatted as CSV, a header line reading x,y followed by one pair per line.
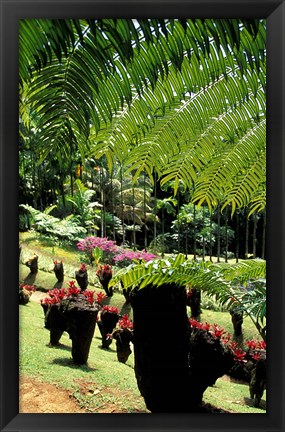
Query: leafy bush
x,y
65,229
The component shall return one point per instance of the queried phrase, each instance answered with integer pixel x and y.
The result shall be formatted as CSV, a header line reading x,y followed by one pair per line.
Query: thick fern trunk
x,y
161,339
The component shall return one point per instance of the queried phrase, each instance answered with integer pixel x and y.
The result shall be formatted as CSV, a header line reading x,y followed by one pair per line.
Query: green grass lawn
x,y
103,382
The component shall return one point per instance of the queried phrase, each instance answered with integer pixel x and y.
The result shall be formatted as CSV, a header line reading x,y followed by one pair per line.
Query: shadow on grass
x,y
71,364
60,346
250,402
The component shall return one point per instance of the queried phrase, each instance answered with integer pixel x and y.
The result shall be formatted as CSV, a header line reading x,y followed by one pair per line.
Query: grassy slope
x,y
104,380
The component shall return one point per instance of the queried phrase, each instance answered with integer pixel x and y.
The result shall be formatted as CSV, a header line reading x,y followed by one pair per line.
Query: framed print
x,y
142,214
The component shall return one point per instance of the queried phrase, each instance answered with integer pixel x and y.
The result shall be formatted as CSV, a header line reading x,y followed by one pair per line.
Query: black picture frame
x,y
11,12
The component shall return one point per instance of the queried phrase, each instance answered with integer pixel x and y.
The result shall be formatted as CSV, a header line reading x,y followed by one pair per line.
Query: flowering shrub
x,y
58,294
108,247
111,309
127,256
104,271
125,323
254,347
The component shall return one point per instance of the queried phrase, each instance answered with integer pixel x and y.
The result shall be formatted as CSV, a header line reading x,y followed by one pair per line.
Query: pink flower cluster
x,y
127,256
125,323
90,243
254,347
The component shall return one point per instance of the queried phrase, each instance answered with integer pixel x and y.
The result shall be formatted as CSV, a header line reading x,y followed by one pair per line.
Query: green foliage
x,y
215,279
181,98
62,229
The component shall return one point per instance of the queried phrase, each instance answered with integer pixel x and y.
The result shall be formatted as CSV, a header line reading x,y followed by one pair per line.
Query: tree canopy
x,y
179,97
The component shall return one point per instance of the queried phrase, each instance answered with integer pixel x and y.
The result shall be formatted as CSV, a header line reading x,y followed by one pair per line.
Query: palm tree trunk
x,y
263,235
237,236
211,242
194,233
112,208
134,226
219,235
144,211
162,231
204,245
155,210
246,234
254,239
122,205
227,239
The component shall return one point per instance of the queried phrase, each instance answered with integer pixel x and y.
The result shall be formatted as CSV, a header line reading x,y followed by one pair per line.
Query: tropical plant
x,y
219,280
183,99
67,229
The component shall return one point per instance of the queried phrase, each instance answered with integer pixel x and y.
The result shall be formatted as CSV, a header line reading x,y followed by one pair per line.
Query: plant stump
x,y
76,316
24,296
104,281
55,322
237,320
81,277
257,382
209,360
58,270
81,321
107,323
32,263
161,346
123,337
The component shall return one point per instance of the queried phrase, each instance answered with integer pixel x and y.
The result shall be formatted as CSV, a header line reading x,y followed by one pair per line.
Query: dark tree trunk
x,y
237,320
193,300
219,236
58,270
82,279
123,338
161,339
246,234
254,238
106,326
77,317
105,285
263,235
237,236
32,264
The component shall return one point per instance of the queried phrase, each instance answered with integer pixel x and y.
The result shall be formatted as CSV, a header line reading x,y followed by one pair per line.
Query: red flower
x,y
256,356
111,309
100,296
125,323
217,331
251,344
239,355
83,268
89,296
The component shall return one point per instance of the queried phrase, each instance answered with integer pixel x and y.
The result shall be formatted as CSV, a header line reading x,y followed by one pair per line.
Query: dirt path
x,y
38,397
